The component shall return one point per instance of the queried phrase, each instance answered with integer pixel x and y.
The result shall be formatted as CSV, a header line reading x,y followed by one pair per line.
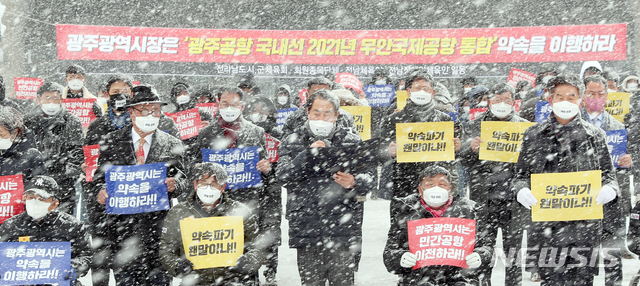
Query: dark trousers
x,y
318,264
570,277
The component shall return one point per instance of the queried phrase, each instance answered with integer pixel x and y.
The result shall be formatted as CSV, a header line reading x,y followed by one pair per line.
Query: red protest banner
x,y
475,112
212,107
272,148
349,80
442,241
91,154
188,121
26,87
486,45
11,191
516,75
81,107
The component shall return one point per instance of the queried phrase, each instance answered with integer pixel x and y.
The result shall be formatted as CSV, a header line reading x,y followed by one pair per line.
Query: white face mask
x,y
37,209
76,84
501,110
467,89
102,100
230,114
435,197
282,100
208,194
51,108
420,97
182,99
320,127
466,109
5,143
632,86
381,82
546,78
147,123
258,117
523,93
482,104
610,90
566,109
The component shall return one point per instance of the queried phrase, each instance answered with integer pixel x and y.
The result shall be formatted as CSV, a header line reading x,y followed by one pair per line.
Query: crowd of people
x,y
43,141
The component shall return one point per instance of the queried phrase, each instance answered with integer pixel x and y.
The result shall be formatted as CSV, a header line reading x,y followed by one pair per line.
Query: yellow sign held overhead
x,y
425,142
502,141
618,104
566,196
361,118
213,241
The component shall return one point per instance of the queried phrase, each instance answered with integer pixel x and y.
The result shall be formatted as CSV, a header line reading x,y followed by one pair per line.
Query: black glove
x,y
244,265
184,267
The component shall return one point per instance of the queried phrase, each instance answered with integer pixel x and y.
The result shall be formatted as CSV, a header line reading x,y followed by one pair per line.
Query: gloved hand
x,y
184,267
526,198
473,260
408,259
606,195
244,265
71,275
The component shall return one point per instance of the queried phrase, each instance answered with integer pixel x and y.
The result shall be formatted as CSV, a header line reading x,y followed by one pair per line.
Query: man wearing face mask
x,y
207,198
283,98
490,181
299,118
420,108
141,142
58,136
43,222
566,143
433,199
327,244
180,97
467,83
75,77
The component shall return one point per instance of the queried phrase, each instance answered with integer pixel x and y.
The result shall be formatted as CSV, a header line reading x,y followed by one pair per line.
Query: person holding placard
x,y
434,199
420,108
565,143
208,199
42,222
490,181
324,198
137,234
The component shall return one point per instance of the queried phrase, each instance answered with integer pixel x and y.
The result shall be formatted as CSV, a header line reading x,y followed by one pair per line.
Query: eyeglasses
x,y
497,100
144,112
213,185
225,104
419,87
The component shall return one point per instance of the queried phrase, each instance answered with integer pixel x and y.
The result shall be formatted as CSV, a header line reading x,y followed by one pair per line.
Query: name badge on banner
x,y
362,119
425,142
618,104
240,164
272,148
213,241
91,155
211,106
11,191
566,196
283,114
441,241
29,263
188,122
617,145
379,95
543,110
137,189
402,99
502,141
81,107
475,112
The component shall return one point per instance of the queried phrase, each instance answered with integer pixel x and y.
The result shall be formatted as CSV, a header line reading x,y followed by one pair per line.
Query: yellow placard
x,y
502,141
402,98
618,104
566,196
213,241
24,239
425,142
362,119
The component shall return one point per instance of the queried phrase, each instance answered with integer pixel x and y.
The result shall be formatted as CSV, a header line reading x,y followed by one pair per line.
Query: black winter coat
x,y
22,158
299,118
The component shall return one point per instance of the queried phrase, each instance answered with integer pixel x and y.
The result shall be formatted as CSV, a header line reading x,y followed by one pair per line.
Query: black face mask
x,y
118,102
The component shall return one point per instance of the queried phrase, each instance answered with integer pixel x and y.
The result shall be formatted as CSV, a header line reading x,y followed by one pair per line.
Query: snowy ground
x,y
372,270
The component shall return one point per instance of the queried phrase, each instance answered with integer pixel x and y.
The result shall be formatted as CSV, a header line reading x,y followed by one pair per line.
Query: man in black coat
x,y
42,222
58,136
324,206
18,155
131,241
566,143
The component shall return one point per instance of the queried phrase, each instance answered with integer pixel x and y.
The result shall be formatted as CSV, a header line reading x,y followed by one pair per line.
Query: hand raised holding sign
x,y
347,181
625,161
473,260
408,260
171,184
318,144
264,166
102,197
475,144
393,149
606,195
457,144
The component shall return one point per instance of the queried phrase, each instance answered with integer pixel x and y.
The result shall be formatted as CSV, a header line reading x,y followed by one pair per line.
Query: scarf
x,y
231,129
119,121
420,112
440,212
